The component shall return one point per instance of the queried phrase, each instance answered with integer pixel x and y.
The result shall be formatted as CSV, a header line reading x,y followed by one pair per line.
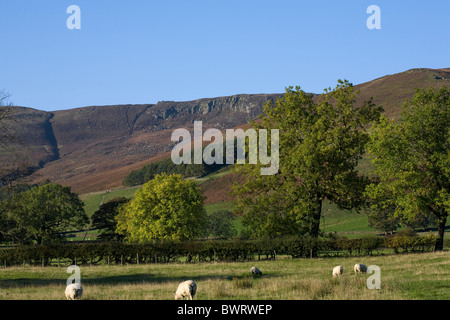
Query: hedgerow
x,y
209,250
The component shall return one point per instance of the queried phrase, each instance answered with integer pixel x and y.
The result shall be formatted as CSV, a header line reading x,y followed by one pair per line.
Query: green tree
x,y
412,159
104,219
380,214
321,141
167,207
42,214
384,220
220,224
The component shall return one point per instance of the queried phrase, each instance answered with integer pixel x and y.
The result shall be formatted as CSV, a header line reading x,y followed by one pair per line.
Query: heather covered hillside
x,y
93,148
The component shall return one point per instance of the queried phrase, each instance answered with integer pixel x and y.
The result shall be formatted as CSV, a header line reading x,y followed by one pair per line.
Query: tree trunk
x,y
315,226
439,246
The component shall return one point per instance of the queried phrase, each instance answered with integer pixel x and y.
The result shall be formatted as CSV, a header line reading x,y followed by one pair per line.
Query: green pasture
x,y
424,276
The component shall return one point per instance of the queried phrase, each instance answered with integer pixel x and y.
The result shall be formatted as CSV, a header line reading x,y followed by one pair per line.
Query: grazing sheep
x,y
256,271
338,271
74,291
360,268
186,289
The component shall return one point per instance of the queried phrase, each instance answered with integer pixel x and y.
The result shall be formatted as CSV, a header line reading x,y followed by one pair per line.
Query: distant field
x,y
423,276
344,221
334,220
93,200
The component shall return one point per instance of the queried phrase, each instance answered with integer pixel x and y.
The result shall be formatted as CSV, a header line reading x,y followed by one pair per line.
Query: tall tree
x,y
104,219
412,158
321,141
220,224
42,214
167,207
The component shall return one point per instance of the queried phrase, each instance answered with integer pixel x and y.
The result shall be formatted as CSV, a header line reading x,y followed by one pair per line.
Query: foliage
x,y
321,142
381,216
149,171
7,192
163,251
167,207
41,214
412,160
104,219
220,224
404,243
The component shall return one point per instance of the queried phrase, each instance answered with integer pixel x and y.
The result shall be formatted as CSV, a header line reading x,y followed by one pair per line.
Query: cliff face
x,y
93,148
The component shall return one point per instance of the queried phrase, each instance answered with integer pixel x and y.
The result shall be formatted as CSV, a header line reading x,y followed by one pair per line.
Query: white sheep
x,y
186,289
74,291
360,268
338,271
256,271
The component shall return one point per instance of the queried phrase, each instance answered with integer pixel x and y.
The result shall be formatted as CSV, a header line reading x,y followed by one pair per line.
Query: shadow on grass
x,y
138,278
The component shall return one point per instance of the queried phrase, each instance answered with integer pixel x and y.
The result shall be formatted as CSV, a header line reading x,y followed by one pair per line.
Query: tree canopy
x,y
41,214
105,219
220,224
167,207
411,157
321,141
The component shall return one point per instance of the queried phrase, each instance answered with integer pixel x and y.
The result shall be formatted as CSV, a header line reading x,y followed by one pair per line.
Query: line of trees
x,y
167,207
149,171
163,251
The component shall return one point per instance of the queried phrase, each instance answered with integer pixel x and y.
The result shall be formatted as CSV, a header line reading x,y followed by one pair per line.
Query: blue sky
x,y
140,51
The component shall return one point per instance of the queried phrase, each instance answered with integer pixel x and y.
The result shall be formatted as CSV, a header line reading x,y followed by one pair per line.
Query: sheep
x,y
360,268
338,271
186,289
74,291
256,271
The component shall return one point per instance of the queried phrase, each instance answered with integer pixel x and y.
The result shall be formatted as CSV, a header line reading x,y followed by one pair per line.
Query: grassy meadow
x,y
424,276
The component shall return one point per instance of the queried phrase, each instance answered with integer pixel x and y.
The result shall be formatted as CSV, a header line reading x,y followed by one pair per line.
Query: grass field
x,y
424,276
408,276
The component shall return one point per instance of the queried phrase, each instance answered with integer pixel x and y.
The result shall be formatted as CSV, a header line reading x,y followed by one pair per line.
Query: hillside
x,y
93,148
391,91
